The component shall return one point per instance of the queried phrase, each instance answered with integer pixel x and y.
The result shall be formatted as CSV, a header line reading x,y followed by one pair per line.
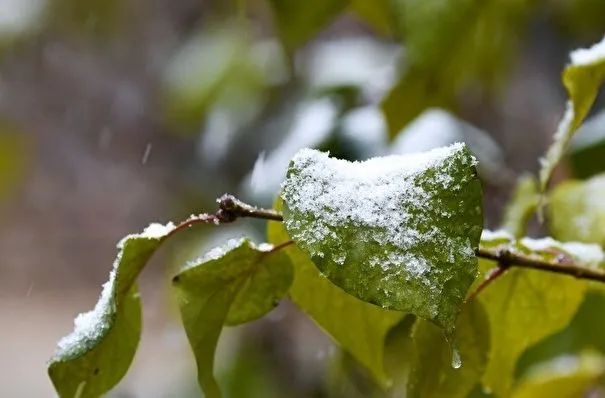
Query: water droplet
x,y
456,361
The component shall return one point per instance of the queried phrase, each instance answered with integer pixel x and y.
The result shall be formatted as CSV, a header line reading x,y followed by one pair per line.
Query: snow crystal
x,y
380,193
587,56
90,326
500,234
219,251
156,230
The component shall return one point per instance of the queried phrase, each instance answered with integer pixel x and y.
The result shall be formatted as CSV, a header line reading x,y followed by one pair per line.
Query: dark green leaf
x,y
97,354
582,79
450,46
432,375
299,21
576,211
565,377
398,231
236,283
360,328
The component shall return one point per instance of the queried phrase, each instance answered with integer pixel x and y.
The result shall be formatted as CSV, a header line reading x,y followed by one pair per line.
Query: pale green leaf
x,y
582,79
576,210
359,327
524,306
298,21
232,284
432,374
451,46
398,231
521,206
564,377
97,354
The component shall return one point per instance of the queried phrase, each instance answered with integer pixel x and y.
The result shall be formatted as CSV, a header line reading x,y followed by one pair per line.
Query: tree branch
x,y
508,258
231,208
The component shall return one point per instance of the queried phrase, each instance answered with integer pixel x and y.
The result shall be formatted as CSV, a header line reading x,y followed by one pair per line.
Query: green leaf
x,y
522,206
524,306
377,13
432,374
360,328
576,211
564,377
97,354
398,231
582,79
232,284
584,332
450,46
299,21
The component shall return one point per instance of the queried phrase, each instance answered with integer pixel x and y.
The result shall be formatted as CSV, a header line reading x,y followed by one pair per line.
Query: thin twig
x,y
515,259
231,208
490,276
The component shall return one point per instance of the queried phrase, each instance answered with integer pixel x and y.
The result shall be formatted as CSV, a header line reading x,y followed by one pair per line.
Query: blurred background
x,y
118,113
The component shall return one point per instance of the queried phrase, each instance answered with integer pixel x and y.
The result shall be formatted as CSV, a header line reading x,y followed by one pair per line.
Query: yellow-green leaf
x,y
582,79
524,306
432,374
576,211
521,206
564,377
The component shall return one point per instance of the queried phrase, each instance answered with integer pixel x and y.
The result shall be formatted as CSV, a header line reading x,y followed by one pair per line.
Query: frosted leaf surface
x,y
396,231
97,354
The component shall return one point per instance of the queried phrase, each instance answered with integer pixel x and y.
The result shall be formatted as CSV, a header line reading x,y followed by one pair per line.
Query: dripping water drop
x,y
456,361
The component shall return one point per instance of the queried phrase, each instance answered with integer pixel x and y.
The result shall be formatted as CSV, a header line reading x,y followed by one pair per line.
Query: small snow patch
x,y
587,56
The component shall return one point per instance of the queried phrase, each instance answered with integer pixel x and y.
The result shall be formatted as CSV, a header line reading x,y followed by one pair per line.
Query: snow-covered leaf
x,y
399,231
563,377
230,285
576,210
582,79
97,354
358,327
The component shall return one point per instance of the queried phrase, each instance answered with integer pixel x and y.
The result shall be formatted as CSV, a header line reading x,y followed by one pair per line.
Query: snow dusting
x,y
388,197
500,234
587,56
91,326
590,254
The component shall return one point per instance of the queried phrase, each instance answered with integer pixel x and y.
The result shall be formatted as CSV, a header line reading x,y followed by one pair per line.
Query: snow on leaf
x,y
233,284
582,79
97,354
397,231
